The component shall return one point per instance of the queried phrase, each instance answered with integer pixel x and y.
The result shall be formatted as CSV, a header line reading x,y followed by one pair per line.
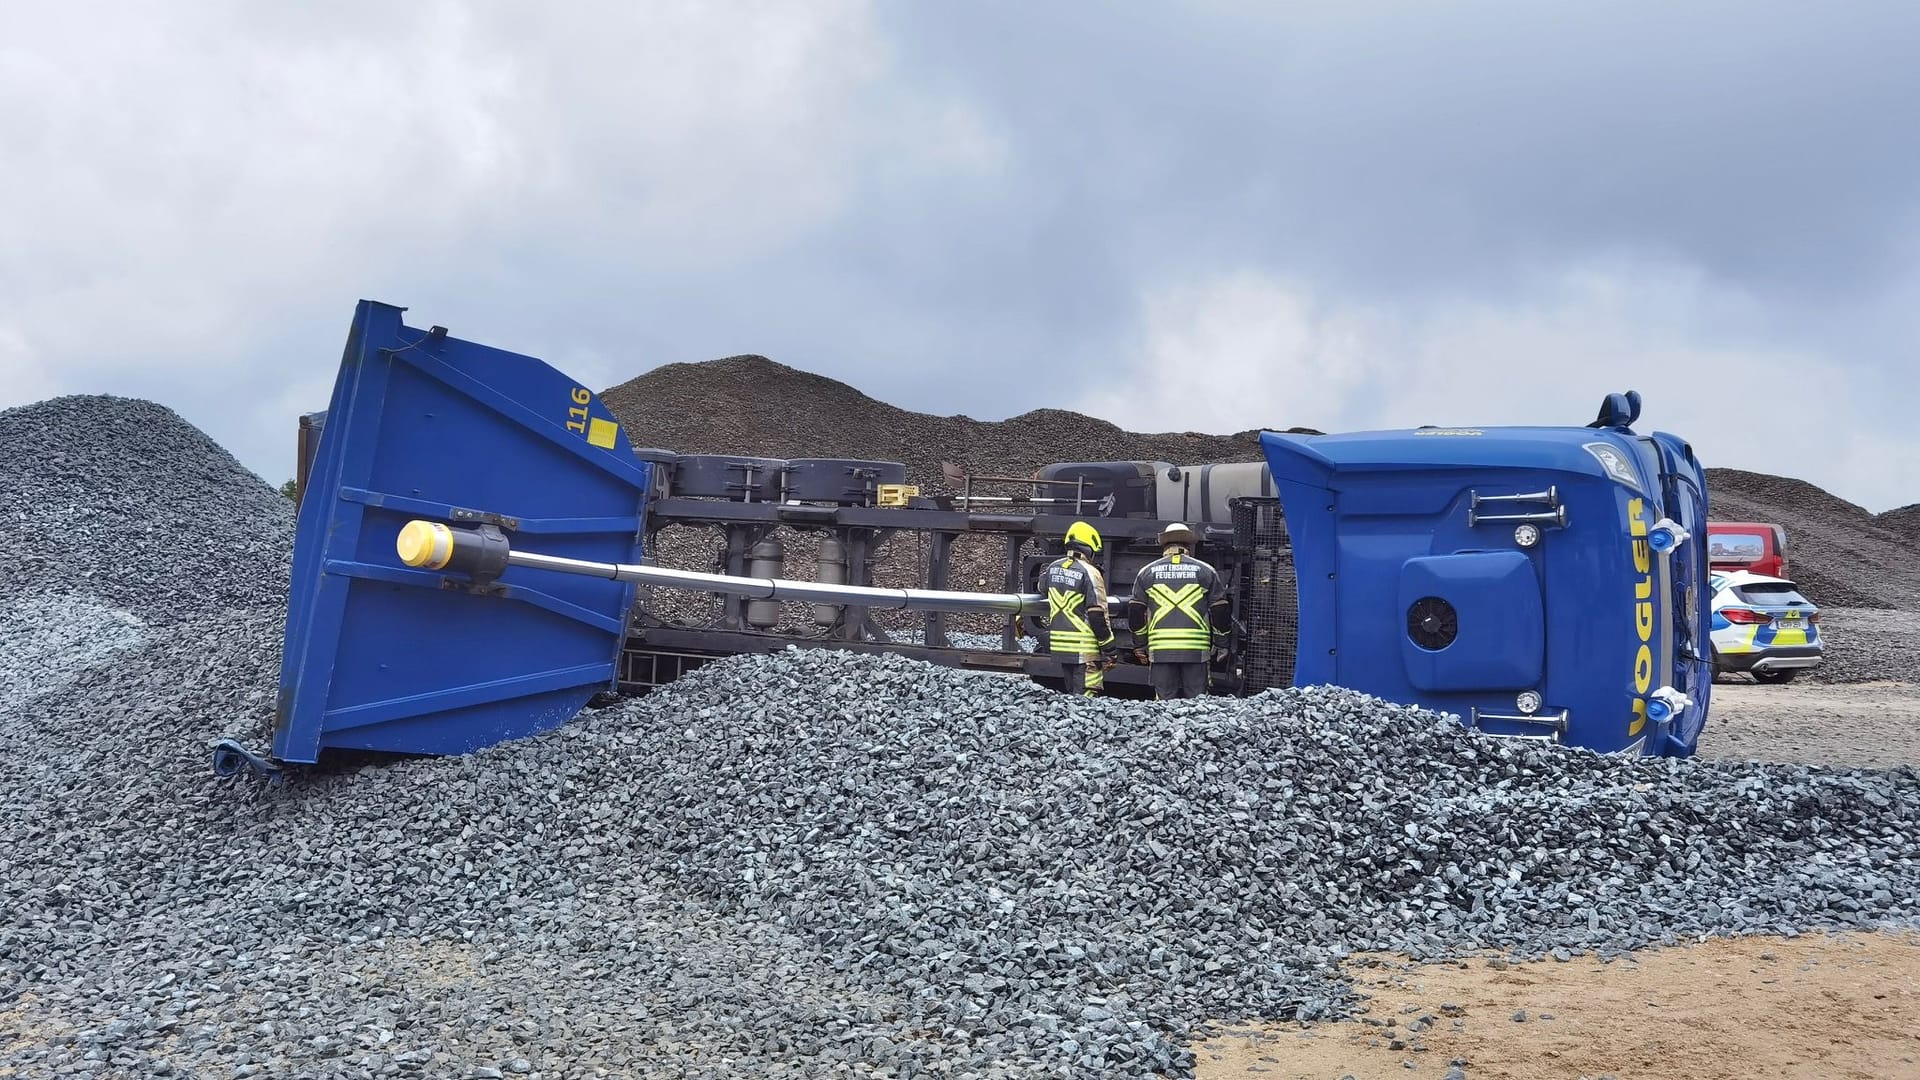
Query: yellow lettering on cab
x,y
1642,615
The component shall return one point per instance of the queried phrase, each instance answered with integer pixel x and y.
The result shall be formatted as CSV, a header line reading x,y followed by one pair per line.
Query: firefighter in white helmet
x,y
1079,632
1178,616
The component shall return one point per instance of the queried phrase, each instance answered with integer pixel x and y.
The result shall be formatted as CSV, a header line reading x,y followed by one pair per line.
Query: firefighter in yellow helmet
x,y
1178,615
1078,630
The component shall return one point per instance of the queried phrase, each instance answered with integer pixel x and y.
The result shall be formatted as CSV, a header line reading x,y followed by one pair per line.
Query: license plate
x,y
1791,616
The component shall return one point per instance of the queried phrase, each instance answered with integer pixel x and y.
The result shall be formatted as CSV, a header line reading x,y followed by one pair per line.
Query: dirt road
x,y
1845,724
1817,1007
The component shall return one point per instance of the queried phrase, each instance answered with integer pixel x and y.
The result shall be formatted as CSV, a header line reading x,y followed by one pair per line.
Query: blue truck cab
x,y
1539,582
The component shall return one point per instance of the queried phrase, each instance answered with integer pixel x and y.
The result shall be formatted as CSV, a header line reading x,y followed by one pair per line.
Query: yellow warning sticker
x,y
601,432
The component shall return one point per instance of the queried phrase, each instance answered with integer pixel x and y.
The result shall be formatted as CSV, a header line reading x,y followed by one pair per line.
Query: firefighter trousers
x,y
1083,678
1178,680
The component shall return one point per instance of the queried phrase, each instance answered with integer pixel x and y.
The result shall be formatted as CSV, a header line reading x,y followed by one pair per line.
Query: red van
x,y
1756,547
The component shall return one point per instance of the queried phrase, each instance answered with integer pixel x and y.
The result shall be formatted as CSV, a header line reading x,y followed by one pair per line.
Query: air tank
x,y
1202,493
718,476
840,481
831,570
1114,489
766,559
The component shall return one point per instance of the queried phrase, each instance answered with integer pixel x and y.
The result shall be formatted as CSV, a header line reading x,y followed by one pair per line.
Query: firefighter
x,y
1178,616
1078,630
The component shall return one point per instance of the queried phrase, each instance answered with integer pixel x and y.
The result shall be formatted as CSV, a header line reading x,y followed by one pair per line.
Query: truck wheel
x,y
1775,676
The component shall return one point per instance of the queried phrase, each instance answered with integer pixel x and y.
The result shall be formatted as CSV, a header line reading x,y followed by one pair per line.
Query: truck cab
x,y
1537,582
1756,547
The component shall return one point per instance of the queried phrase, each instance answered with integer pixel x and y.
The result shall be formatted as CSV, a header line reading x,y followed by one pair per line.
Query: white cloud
x,y
19,373
198,192
1248,350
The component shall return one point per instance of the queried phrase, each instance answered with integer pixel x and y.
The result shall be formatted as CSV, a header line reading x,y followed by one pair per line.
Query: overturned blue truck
x,y
472,563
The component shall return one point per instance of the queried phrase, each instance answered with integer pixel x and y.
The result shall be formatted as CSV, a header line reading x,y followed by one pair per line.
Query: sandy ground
x,y
1818,1007
1846,724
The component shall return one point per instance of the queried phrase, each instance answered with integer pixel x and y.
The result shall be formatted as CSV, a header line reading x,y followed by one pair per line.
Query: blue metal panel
x,y
1371,513
1501,642
379,656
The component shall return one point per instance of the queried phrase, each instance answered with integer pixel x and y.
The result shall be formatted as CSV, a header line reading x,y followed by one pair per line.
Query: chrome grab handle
x,y
1551,497
1556,514
1555,722
1545,517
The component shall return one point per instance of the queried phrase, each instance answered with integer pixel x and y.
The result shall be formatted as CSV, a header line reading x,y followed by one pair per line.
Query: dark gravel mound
x,y
1864,645
1840,554
1903,522
751,405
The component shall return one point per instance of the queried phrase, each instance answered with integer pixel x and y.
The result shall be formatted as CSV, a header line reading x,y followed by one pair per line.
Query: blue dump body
x,y
382,657
1412,592
1517,577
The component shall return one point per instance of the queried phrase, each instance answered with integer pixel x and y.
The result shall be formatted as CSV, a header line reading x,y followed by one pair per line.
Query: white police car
x,y
1762,625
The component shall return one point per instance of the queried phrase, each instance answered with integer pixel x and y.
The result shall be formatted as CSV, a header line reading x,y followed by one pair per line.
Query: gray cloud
x,y
1339,214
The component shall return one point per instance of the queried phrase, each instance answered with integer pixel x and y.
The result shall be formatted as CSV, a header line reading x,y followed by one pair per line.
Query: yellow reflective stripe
x,y
1183,601
1063,604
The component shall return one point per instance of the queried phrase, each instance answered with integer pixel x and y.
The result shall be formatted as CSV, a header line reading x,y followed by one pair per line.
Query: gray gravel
x,y
1841,555
121,500
1864,645
809,863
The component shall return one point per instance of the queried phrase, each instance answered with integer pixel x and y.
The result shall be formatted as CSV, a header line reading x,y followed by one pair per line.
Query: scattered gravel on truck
x,y
814,862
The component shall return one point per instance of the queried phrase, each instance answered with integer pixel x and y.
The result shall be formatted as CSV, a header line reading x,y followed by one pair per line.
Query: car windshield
x,y
1771,593
1736,546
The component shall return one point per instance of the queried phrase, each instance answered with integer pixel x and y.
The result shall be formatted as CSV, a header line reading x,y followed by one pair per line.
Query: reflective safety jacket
x,y
1076,607
1178,609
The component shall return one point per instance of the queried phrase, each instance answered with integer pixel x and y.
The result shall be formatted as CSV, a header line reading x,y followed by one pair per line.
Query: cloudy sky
x,y
1229,215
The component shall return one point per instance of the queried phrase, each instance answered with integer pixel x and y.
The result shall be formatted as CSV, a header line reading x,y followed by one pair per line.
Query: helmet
x,y
1084,536
1177,533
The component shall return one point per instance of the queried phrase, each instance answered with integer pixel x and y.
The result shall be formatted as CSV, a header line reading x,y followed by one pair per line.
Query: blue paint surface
x,y
379,656
1381,520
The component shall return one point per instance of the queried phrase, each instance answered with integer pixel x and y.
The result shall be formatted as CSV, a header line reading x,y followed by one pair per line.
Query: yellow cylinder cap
x,y
425,543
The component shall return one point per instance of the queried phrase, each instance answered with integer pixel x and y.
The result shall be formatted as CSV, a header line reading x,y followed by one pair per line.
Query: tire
x,y
1771,677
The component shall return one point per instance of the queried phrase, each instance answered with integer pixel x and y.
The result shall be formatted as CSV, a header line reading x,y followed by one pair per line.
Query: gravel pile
x,y
804,864
121,500
751,405
1904,521
1840,554
1867,645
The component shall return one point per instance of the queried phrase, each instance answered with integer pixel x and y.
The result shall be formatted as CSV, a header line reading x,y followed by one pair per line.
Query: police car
x,y
1763,626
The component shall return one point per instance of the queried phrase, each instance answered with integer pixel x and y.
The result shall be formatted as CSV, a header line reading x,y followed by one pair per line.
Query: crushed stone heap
x,y
813,861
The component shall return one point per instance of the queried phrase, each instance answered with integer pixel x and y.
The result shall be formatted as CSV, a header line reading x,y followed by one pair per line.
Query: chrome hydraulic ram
x,y
484,553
